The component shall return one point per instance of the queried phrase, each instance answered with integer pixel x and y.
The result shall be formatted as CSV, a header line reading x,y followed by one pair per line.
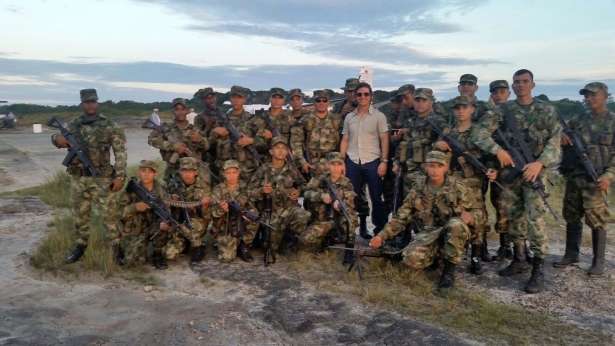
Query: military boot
x,y
574,233
475,266
159,261
519,263
537,280
118,254
447,279
505,251
75,254
363,228
197,254
348,257
598,245
243,252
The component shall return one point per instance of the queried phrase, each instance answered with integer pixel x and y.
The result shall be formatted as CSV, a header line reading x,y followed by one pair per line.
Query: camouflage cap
x,y
321,94
423,93
500,83
230,164
406,88
468,78
462,100
351,84
277,91
206,92
186,163
179,101
148,164
239,91
295,92
335,156
277,140
595,87
88,95
437,157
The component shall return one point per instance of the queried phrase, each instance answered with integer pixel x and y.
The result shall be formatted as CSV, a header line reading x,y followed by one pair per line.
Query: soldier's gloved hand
x,y
603,184
180,148
61,141
267,188
196,137
326,198
141,206
245,141
442,146
376,242
164,226
117,184
504,158
467,218
221,131
565,140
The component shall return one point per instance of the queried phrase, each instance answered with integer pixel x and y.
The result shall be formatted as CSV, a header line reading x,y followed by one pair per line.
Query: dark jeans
x,y
367,173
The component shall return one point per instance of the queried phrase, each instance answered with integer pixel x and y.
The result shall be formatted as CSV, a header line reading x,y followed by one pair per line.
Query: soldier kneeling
x,y
436,203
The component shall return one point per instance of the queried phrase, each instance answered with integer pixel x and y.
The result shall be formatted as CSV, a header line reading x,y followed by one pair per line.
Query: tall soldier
x,y
586,195
98,135
207,120
178,139
278,119
532,125
316,135
350,103
280,184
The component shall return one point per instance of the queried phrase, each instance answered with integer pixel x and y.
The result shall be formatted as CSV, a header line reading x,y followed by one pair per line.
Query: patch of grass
x,y
391,286
55,192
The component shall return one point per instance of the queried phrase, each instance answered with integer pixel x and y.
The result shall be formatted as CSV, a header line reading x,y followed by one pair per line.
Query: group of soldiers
x,y
276,179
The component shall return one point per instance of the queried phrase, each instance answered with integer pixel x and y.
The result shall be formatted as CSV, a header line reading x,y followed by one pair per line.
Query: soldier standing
x,y
298,112
349,103
468,86
584,197
276,119
207,120
98,135
499,92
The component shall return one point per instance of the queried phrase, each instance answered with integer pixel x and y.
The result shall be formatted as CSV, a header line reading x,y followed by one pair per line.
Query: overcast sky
x,y
157,50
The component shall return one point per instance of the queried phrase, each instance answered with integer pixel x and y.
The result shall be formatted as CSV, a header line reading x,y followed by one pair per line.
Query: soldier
x,y
277,187
472,178
186,191
398,125
139,221
298,112
406,92
316,135
207,120
232,234
437,207
276,119
468,85
583,197
349,103
178,139
537,126
326,215
98,135
499,91
248,127
419,139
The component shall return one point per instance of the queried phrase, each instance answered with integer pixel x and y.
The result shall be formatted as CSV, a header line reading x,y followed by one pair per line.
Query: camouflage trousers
x,y
227,243
409,179
134,247
478,231
89,194
526,212
293,219
174,242
583,199
318,230
447,243
501,210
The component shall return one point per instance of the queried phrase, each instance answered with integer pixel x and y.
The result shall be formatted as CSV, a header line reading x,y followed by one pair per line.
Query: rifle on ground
x,y
75,149
522,157
581,152
235,135
365,251
460,150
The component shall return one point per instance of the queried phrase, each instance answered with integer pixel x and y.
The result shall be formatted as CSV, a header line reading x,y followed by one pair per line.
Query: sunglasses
x,y
321,100
362,94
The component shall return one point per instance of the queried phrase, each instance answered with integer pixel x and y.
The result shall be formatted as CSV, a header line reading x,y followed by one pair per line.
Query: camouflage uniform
x,y
539,124
286,214
206,121
345,107
396,119
98,135
323,221
481,107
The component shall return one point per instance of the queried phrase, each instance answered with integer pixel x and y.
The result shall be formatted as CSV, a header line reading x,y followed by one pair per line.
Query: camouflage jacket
x,y
232,223
134,221
538,124
318,136
426,206
283,181
98,135
482,108
297,114
280,123
598,135
458,166
172,134
188,193
316,188
418,141
343,108
208,120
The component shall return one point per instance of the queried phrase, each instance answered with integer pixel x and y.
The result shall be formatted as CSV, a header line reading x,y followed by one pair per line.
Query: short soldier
x,y
499,92
436,206
139,221
98,135
327,216
316,135
349,103
295,98
276,186
232,232
178,139
277,121
190,200
584,197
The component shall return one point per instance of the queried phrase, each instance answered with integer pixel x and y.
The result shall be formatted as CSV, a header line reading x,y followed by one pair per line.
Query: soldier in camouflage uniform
x,y
468,85
139,222
298,111
472,178
98,135
187,188
316,135
178,139
539,127
419,139
499,92
583,197
276,186
396,118
207,120
349,104
279,120
437,207
248,126
326,215
232,232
